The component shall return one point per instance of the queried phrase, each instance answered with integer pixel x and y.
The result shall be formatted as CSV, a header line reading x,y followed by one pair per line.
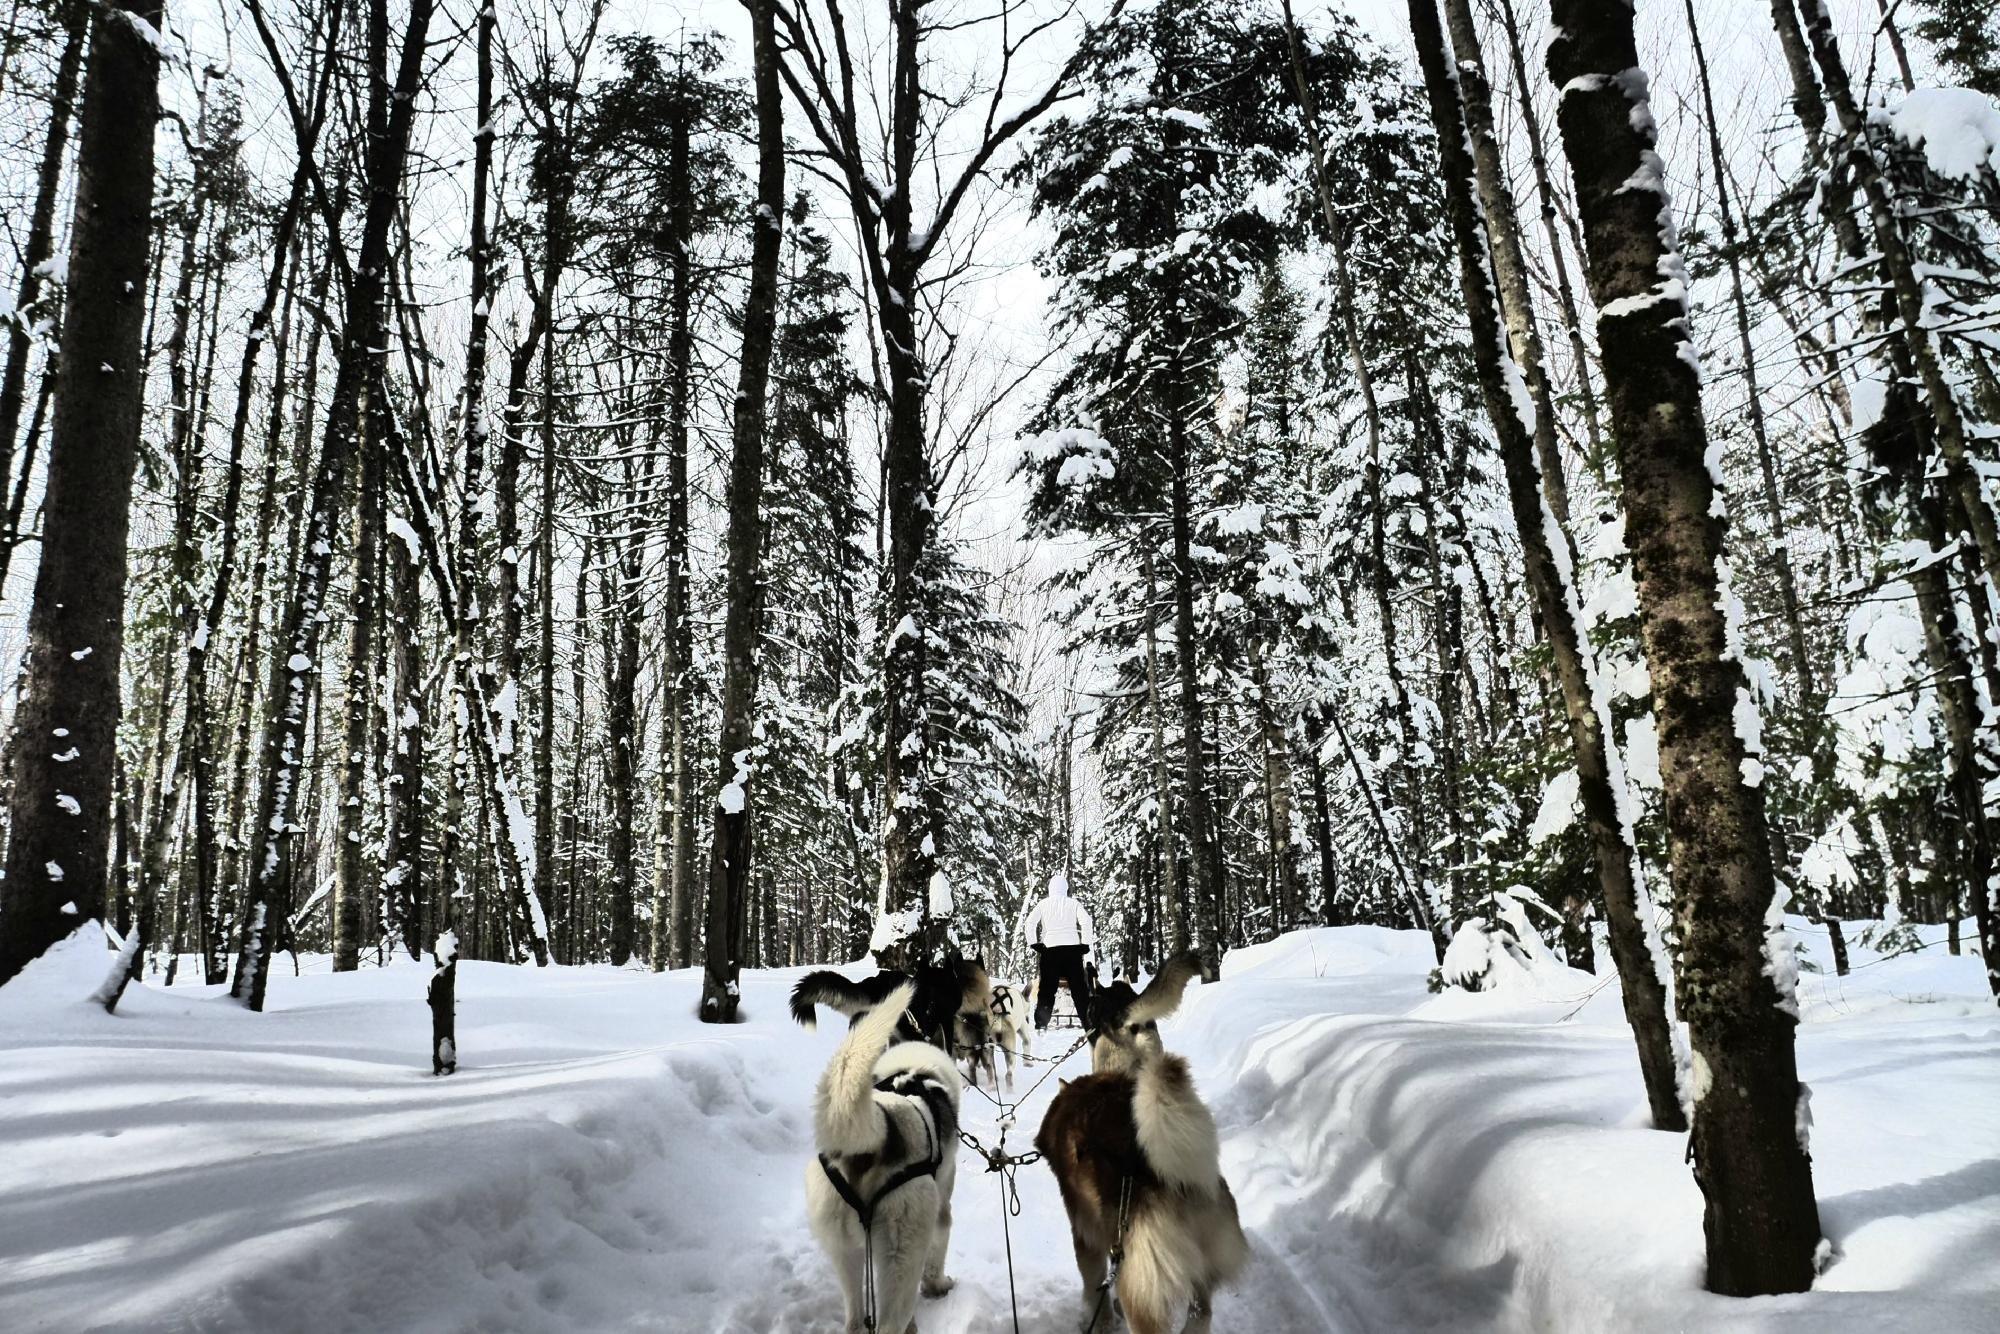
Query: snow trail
x,y
604,1162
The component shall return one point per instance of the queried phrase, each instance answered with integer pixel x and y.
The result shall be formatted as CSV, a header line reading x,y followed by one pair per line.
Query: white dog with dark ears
x,y
1013,1022
879,1194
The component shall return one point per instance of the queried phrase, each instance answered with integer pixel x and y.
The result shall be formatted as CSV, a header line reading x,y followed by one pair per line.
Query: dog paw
x,y
937,1287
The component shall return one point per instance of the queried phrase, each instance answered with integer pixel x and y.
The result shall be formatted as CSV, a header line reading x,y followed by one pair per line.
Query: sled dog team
x,y
1133,1148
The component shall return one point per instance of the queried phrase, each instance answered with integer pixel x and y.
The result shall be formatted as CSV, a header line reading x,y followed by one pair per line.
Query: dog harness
x,y
936,1103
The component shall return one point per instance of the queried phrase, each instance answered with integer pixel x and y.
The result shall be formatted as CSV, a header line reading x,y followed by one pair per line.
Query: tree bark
x,y
555,222
66,724
352,883
403,860
623,556
1546,195
1163,790
1606,800
673,874
472,569
40,243
1762,1222
287,710
730,849
1204,850
1509,263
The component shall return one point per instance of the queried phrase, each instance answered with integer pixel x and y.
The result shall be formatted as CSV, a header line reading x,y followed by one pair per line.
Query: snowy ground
x,y
603,1162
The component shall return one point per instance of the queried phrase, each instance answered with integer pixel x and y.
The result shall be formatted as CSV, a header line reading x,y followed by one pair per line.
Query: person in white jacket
x,y
1061,933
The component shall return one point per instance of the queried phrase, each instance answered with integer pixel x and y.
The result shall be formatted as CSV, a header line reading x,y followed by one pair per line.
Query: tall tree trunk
x,y
910,800
265,579
1322,818
673,872
40,243
1546,195
66,724
1163,790
472,568
1509,262
1277,775
545,570
1606,800
729,853
1762,1222
1204,849
623,555
287,709
403,860
352,884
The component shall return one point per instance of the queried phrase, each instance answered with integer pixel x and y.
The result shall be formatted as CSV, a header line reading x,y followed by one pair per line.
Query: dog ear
x,y
1108,1006
1162,995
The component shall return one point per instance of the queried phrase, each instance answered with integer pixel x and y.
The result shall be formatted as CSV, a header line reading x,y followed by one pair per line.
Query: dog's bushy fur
x,y
1137,1119
880,1109
942,992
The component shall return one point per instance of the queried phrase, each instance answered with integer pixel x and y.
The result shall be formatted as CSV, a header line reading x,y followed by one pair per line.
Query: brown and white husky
x,y
1135,1152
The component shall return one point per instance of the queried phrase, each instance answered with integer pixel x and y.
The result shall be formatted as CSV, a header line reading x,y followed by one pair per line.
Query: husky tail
x,y
1176,1132
1179,1255
830,989
846,1119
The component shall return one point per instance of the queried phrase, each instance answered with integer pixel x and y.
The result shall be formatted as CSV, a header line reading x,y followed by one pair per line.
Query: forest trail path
x,y
603,1162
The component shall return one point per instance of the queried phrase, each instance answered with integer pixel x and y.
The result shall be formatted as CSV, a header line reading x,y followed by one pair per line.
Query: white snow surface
x,y
602,1161
1958,129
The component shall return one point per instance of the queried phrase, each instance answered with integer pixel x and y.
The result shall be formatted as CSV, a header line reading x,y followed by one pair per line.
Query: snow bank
x,y
1483,1161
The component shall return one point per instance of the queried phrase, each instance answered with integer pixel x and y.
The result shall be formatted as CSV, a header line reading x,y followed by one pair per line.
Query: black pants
x,y
1062,963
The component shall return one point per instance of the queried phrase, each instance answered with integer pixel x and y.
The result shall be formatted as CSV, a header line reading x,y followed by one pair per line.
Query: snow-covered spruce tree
x,y
1150,195
1736,967
1256,491
667,120
66,725
981,766
1965,34
904,199
1908,380
729,855
815,579
1480,210
1374,203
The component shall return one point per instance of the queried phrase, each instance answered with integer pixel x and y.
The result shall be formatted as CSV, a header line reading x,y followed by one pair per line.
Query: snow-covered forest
x,y
1480,519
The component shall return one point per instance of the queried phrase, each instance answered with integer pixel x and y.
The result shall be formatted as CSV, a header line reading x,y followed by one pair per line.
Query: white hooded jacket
x,y
1059,920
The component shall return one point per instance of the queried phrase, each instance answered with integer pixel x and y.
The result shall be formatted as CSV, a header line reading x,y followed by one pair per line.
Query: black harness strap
x,y
865,1209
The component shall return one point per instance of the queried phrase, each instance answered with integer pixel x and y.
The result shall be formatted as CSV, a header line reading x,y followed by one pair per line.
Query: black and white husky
x,y
879,1194
1008,1026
